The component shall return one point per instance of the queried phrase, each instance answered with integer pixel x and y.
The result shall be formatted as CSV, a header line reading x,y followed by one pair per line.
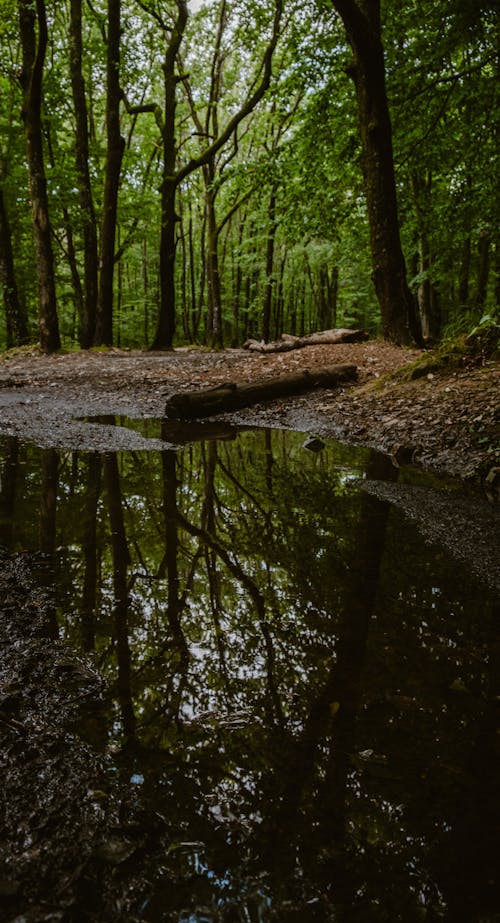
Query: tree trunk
x,y
114,154
270,280
497,270
464,274
362,23
17,328
165,329
33,56
280,300
427,297
70,254
214,317
465,262
483,271
89,229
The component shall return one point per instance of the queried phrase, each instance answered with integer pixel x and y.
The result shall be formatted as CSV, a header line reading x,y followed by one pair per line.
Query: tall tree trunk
x,y
70,254
145,284
193,313
427,297
214,315
17,328
34,49
465,262
280,301
90,255
165,329
270,280
483,271
114,154
238,284
464,274
497,270
361,19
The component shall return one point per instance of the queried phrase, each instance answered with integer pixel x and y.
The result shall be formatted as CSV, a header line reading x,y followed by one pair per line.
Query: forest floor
x,y
71,839
444,417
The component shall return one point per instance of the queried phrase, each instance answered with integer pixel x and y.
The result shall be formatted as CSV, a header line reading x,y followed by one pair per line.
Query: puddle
x,y
302,683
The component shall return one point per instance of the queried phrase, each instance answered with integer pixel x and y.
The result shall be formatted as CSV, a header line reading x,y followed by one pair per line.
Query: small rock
x,y
314,444
403,454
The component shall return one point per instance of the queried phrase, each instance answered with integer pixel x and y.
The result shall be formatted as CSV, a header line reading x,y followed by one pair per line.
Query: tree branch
x,y
245,110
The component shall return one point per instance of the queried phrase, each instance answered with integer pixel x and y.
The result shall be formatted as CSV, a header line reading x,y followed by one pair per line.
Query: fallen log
x,y
191,405
322,337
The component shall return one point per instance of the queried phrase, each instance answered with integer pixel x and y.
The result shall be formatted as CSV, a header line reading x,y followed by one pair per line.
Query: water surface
x,y
302,686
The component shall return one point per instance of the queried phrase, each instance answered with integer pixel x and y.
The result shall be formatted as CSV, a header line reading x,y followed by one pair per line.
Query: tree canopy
x,y
200,173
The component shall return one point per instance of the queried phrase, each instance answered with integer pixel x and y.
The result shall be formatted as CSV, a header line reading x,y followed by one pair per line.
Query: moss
x,y
480,345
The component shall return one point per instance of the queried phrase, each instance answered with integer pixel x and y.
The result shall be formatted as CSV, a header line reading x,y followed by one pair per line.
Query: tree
x,y
114,154
17,330
362,23
89,228
443,91
34,45
172,177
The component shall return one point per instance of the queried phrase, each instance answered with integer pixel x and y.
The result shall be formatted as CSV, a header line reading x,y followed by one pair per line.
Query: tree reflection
x,y
47,530
8,488
121,560
89,550
285,653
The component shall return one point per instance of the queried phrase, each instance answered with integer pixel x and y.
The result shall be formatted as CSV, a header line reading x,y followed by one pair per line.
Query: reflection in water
x,y
301,686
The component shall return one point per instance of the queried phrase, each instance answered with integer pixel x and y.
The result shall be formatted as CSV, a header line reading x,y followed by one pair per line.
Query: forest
x,y
180,173
249,590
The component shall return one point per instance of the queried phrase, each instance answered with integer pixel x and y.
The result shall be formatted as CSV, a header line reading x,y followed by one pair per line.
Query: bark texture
x,y
165,329
363,27
114,154
89,229
17,330
233,396
33,33
323,337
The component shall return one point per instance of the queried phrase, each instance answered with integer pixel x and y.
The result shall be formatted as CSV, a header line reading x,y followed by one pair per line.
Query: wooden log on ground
x,y
322,337
191,405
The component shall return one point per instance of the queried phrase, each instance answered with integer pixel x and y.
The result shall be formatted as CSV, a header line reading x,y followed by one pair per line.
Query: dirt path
x,y
446,420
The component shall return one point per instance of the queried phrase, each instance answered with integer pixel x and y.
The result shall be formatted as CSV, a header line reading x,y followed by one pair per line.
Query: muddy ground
x,y
73,845
445,419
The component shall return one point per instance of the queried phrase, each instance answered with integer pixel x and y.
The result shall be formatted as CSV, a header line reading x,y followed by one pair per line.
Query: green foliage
x,y
484,338
301,145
